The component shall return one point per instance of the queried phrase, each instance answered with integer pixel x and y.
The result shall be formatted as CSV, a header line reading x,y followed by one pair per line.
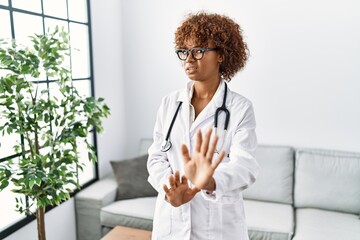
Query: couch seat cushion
x,y
136,213
270,221
314,224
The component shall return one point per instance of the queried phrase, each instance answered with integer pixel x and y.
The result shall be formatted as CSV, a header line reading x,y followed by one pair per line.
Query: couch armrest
x,y
88,204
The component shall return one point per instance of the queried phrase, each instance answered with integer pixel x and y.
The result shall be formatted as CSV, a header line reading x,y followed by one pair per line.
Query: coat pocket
x,y
162,219
227,220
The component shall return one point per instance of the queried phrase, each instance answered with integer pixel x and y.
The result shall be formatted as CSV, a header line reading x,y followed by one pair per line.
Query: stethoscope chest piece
x,y
165,145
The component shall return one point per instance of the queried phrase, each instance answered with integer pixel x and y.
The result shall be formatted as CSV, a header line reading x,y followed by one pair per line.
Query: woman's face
x,y
205,69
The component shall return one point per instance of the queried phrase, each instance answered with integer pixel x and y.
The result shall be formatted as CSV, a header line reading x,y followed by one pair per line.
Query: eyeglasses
x,y
196,53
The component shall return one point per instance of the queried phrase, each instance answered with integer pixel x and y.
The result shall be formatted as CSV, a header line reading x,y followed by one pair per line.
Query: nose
x,y
190,57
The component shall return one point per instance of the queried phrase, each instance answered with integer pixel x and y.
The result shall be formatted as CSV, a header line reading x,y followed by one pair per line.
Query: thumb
x,y
195,190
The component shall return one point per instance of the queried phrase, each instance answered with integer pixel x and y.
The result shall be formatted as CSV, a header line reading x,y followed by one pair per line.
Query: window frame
x,y
29,218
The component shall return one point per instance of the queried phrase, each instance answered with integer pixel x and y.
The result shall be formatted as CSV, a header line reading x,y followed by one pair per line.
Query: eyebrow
x,y
189,48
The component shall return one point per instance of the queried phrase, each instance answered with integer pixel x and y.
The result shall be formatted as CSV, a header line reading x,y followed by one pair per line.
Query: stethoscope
x,y
166,143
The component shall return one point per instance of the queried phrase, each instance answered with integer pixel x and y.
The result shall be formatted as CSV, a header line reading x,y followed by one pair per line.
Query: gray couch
x,y
300,194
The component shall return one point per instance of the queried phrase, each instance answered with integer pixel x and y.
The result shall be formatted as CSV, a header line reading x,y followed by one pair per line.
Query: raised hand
x,y
199,167
179,192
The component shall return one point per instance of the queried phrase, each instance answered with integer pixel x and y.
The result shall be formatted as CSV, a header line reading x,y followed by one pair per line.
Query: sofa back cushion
x,y
131,176
275,180
328,180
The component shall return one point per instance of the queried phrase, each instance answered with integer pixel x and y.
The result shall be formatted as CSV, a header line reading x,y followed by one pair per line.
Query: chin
x,y
194,78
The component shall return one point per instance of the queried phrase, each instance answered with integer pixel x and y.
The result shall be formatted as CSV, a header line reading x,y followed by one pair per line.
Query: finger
x,y
198,140
172,182
185,153
166,189
218,160
205,143
212,147
177,178
184,180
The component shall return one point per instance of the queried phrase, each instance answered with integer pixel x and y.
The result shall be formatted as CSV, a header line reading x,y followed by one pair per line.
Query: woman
x,y
214,168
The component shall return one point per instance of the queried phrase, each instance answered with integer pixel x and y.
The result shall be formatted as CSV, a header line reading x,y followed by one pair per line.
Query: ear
x,y
220,58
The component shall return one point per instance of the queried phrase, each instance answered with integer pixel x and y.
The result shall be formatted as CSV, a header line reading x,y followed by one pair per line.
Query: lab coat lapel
x,y
185,112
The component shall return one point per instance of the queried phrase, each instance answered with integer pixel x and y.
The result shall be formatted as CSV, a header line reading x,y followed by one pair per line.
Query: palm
x,y
179,192
180,195
199,168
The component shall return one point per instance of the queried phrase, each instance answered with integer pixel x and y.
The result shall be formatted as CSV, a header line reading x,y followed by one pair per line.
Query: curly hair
x,y
219,31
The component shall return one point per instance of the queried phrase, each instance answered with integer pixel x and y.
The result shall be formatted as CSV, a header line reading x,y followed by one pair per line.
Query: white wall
x,y
109,81
303,75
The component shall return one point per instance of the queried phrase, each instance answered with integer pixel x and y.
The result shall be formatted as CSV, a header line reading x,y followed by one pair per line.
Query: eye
x,y
199,50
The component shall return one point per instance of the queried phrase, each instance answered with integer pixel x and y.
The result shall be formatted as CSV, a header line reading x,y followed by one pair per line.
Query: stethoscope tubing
x,y
224,109
166,144
173,121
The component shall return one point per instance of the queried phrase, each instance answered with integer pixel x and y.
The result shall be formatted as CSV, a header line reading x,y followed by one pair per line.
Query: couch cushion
x,y
327,180
270,221
136,213
315,224
131,176
275,180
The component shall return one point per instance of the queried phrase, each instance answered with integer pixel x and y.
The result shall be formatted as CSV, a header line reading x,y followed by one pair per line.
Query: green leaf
x,y
9,130
38,181
7,173
4,184
31,183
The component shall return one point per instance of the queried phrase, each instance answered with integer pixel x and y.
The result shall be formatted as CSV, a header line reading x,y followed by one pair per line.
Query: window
x,y
19,19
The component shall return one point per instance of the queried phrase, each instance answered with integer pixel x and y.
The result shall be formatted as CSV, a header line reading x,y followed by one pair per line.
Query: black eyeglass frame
x,y
186,51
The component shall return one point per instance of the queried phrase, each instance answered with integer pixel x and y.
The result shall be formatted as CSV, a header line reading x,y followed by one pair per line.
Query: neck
x,y
205,90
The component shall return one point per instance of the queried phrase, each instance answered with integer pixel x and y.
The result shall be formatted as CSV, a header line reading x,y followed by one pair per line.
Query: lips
x,y
190,69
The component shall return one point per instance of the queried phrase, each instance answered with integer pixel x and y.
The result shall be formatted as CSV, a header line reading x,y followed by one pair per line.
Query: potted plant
x,y
51,127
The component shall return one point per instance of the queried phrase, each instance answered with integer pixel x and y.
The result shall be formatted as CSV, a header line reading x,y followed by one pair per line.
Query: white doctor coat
x,y
218,215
